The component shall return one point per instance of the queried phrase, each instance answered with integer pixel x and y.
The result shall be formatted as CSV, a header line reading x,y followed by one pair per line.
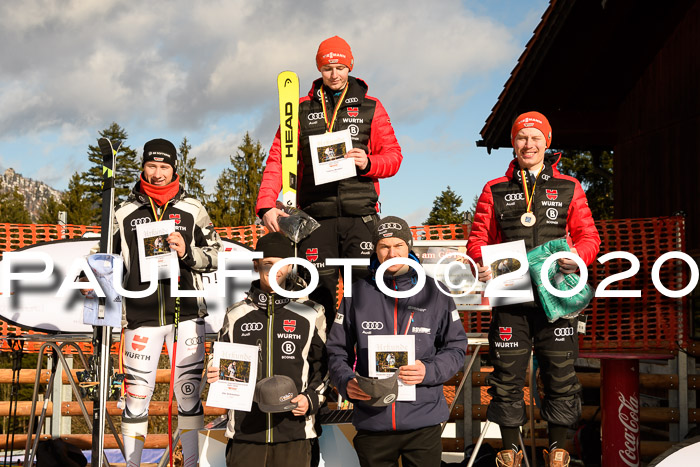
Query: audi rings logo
x,y
354,130
139,221
194,340
247,327
390,225
514,197
315,116
351,100
366,246
563,332
372,325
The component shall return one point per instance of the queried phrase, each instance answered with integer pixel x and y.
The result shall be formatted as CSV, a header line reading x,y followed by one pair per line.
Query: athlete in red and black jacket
x,y
346,209
545,206
559,205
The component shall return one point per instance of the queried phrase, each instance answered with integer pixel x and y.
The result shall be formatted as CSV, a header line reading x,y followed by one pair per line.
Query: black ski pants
x,y
416,448
337,237
514,330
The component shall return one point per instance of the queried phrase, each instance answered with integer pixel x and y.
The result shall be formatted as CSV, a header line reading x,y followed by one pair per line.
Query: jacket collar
x,y
266,301
357,89
550,167
404,281
262,299
136,194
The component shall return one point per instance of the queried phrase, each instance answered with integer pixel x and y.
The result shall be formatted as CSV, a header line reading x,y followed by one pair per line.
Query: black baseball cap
x,y
275,393
383,391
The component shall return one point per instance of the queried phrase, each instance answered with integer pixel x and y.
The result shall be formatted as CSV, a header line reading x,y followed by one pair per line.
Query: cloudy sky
x,y
207,70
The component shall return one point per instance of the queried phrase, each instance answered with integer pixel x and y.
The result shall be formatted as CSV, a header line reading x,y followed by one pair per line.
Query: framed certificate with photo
x,y
388,353
328,156
238,370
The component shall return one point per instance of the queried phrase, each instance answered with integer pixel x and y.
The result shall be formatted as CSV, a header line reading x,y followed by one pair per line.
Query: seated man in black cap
x,y
277,434
386,428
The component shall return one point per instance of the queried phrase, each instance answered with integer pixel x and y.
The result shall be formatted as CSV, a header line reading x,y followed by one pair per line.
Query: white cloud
x,y
417,217
53,175
73,135
181,64
213,155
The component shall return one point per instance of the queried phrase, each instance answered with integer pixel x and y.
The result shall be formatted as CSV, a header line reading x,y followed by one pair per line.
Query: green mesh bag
x,y
557,307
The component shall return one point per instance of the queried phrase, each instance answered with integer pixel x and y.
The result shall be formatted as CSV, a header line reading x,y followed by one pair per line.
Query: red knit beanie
x,y
334,50
532,120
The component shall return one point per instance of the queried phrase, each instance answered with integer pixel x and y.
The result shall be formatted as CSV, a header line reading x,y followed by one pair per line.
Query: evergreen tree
x,y
48,214
12,208
233,202
220,203
248,170
190,176
77,203
126,173
446,209
595,172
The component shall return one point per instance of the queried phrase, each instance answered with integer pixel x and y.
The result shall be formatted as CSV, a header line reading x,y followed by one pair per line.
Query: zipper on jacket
x,y
270,334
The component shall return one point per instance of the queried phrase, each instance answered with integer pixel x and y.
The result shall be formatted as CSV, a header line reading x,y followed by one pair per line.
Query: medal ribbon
x,y
155,211
329,127
529,196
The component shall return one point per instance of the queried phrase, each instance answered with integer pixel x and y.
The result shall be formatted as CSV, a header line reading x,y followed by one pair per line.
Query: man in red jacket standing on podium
x,y
535,203
346,209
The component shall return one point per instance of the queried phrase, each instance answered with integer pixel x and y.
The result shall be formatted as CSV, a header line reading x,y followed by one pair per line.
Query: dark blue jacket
x,y
441,345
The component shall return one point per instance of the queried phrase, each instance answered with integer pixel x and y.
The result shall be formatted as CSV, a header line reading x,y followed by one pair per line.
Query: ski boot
x,y
556,458
509,458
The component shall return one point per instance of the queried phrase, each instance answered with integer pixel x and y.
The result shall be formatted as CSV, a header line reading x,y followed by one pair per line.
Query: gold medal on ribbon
x,y
331,123
528,219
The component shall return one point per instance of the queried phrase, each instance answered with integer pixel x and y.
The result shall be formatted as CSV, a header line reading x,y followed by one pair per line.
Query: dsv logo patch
x,y
247,327
372,325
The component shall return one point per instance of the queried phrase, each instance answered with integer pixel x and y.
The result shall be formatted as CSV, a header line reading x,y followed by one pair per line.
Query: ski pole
x,y
176,322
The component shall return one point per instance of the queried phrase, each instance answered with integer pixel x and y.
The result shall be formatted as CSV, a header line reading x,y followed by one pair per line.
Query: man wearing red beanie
x,y
535,203
346,209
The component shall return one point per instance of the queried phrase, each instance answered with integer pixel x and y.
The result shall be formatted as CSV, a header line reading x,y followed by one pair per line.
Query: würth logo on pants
x,y
312,254
505,333
139,343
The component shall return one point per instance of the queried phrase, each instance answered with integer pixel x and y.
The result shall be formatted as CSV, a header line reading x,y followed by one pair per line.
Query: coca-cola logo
x,y
628,414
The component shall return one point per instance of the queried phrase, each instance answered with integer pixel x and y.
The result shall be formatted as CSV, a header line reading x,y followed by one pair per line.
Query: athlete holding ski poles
x,y
154,319
346,209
